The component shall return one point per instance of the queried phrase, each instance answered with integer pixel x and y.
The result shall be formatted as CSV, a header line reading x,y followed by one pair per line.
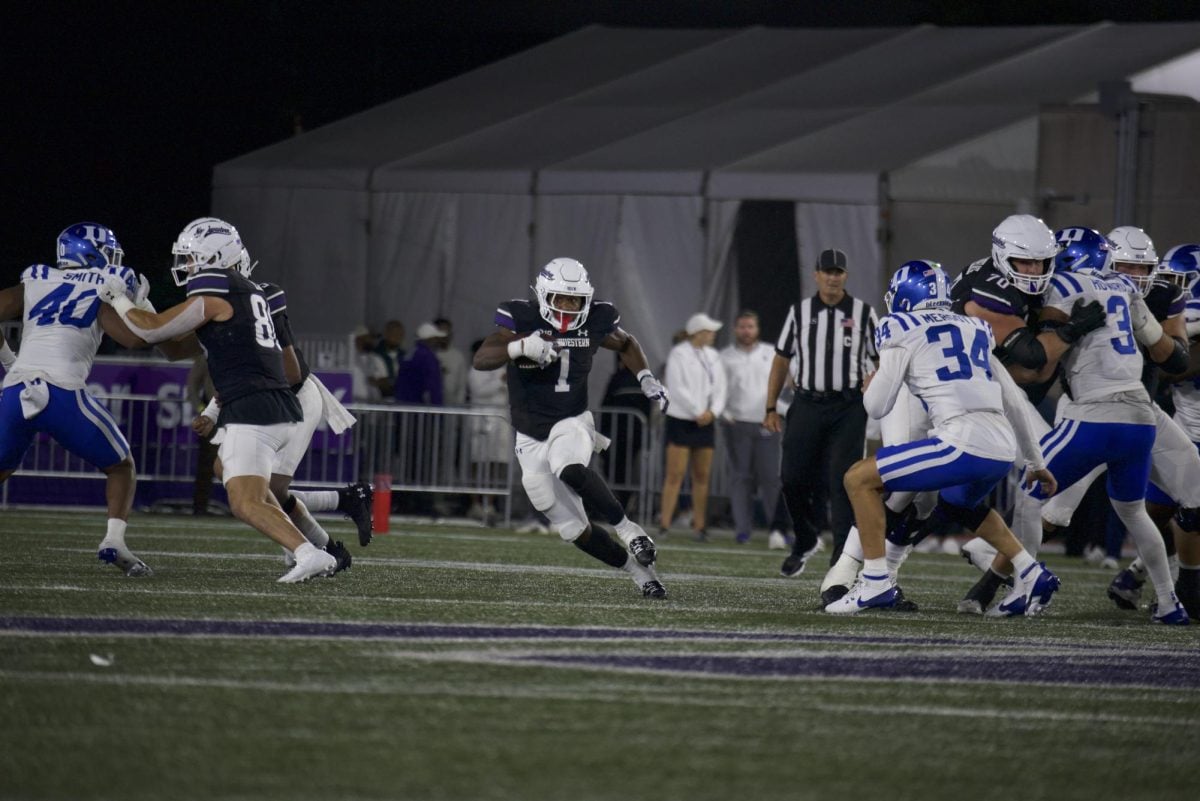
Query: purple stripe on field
x,y
1127,670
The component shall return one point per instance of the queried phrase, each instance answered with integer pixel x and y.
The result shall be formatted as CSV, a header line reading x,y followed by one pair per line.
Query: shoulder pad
x,y
208,282
36,272
894,329
603,316
276,297
517,315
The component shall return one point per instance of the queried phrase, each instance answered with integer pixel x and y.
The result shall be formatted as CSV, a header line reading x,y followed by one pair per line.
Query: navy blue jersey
x,y
541,396
985,284
244,357
1165,300
277,303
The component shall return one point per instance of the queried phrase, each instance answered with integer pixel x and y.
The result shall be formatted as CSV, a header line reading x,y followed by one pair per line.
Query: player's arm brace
x,y
160,327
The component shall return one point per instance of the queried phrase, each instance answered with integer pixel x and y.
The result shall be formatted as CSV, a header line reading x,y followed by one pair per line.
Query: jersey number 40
x,y
61,307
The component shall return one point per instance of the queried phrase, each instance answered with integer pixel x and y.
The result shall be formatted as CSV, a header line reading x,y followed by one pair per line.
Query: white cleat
x,y
312,563
123,559
289,560
865,595
776,541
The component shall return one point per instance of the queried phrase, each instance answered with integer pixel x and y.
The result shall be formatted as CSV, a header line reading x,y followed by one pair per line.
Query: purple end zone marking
x,y
1125,670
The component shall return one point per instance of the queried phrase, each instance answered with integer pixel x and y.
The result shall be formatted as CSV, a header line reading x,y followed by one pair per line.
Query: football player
x,y
1006,291
259,413
317,404
547,346
45,385
945,359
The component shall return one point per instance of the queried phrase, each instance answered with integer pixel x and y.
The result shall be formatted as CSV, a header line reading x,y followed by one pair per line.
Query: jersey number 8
x,y
264,328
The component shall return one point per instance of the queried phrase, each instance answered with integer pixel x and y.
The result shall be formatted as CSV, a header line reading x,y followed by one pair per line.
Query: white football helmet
x,y
1132,246
205,243
563,277
245,266
1023,236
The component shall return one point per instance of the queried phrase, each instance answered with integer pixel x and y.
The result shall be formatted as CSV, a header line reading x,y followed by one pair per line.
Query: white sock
x,y
1138,567
627,530
116,532
1150,548
853,546
875,570
843,572
1027,522
1173,566
305,551
1022,562
895,555
323,501
308,526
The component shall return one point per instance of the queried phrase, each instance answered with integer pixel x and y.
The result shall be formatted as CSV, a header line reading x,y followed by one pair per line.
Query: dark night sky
x,y
117,111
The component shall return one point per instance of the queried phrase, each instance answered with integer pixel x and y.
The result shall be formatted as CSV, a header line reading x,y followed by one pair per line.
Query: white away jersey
x,y
61,329
1107,360
1186,394
948,361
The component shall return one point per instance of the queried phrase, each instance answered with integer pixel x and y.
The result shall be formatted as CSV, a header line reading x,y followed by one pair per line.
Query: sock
x,y
1022,562
1138,568
1150,548
594,492
1188,582
627,530
1027,522
596,542
992,580
895,556
116,532
308,526
843,572
323,501
853,544
305,551
875,570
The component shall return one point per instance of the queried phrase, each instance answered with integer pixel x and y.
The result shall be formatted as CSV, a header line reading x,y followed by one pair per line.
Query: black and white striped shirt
x,y
834,345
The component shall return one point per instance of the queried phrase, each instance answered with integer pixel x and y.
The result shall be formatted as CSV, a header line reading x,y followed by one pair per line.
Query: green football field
x,y
465,663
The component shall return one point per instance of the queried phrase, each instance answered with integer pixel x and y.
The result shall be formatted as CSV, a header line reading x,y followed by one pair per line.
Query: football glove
x,y
653,389
112,289
142,293
1085,318
534,348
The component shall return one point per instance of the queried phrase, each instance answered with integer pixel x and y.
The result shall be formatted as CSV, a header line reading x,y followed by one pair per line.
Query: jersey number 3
x,y
958,353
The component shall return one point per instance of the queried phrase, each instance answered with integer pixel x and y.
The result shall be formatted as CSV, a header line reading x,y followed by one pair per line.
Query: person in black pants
x,y
830,338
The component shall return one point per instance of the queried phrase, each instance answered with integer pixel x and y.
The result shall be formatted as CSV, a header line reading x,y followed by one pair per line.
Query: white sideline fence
x,y
436,450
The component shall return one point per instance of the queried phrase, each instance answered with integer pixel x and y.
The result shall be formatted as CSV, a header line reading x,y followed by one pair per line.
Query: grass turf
x,y
460,663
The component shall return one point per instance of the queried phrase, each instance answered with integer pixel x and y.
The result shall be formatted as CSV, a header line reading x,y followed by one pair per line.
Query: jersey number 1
x,y
564,368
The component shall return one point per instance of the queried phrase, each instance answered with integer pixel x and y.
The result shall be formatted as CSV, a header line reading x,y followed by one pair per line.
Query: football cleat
x,y
313,563
642,549
776,541
831,594
902,603
865,594
1126,590
981,594
742,538
1177,616
796,562
339,552
654,589
123,559
1031,595
355,500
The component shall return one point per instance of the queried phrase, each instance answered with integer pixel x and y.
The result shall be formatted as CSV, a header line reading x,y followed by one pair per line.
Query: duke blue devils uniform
x,y
1186,394
244,357
541,396
45,389
944,359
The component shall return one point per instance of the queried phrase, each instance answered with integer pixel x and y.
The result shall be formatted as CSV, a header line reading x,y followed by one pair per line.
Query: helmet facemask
x,y
1023,236
563,278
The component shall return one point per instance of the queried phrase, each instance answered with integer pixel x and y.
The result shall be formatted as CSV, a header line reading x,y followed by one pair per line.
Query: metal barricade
x,y
423,449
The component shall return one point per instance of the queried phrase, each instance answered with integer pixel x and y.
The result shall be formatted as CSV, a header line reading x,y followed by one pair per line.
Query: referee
x,y
830,338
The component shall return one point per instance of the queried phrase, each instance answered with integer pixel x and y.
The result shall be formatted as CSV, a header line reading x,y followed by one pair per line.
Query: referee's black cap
x,y
831,260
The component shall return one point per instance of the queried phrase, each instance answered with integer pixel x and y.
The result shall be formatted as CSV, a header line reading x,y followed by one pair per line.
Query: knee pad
x,y
968,518
540,489
569,530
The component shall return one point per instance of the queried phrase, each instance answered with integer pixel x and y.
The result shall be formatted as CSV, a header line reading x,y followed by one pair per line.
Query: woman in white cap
x,y
695,379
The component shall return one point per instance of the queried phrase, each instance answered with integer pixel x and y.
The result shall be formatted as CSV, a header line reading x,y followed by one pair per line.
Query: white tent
x,y
632,149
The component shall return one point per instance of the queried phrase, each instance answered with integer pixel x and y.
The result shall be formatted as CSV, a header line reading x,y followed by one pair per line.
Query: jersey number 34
x,y
958,354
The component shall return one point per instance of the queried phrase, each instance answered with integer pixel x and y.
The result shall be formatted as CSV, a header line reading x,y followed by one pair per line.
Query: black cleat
x,y
355,500
654,589
903,604
832,594
981,594
1126,590
642,549
796,561
338,552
